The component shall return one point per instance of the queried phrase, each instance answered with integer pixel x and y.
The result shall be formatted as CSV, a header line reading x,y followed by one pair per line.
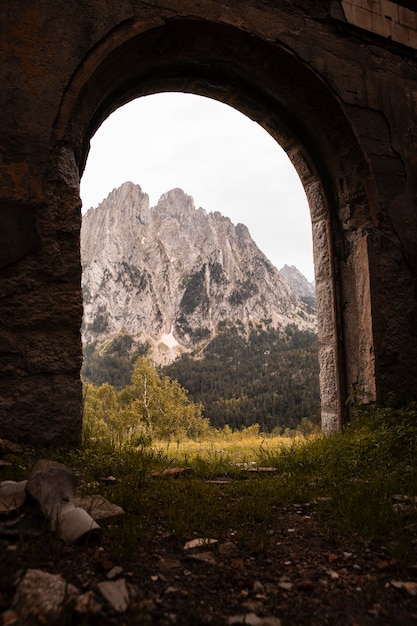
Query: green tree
x,y
161,404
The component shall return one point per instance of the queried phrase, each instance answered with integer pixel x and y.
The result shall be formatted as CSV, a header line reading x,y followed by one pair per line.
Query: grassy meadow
x,y
361,482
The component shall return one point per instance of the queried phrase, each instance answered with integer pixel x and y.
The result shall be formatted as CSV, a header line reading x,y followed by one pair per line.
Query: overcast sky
x,y
215,154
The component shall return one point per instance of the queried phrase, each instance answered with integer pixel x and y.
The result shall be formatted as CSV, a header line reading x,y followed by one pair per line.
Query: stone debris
x,y
116,594
251,619
98,506
52,485
200,542
409,587
21,526
228,549
43,598
205,557
114,572
286,585
169,563
403,503
262,470
172,471
109,479
9,447
87,603
9,618
12,495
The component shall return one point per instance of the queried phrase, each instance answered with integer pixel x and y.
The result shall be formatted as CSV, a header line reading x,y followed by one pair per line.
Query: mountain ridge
x,y
169,274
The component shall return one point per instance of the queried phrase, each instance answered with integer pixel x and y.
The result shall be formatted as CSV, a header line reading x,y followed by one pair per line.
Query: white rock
x,y
199,543
43,596
12,495
116,593
251,619
409,587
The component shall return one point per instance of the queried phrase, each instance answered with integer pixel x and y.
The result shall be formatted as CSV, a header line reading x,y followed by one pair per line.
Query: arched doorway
x,y
280,92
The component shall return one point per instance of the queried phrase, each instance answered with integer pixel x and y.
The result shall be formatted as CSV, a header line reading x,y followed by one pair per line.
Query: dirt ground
x,y
295,572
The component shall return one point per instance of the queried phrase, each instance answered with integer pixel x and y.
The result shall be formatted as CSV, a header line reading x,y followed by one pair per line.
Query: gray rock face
x,y
298,282
171,273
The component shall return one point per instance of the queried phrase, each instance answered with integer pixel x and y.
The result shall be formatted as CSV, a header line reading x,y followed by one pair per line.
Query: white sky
x,y
227,162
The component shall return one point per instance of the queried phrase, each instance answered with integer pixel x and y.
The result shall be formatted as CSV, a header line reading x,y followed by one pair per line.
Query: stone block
x,y
390,10
372,5
301,164
407,18
325,309
413,39
328,377
321,244
330,422
401,34
316,200
381,25
361,17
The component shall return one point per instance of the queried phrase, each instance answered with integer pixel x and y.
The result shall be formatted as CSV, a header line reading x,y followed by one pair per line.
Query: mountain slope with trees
x,y
194,293
264,376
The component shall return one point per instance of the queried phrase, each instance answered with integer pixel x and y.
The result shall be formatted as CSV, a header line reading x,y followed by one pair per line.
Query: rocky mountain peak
x,y
298,282
169,274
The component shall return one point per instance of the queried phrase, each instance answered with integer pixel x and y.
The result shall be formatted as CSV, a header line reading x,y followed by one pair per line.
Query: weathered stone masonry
x,y
334,81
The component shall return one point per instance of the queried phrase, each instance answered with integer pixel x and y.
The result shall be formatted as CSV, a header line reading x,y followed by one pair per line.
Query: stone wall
x,y
390,19
339,97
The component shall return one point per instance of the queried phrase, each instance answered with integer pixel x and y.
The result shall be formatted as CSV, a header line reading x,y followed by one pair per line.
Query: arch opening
x,y
230,166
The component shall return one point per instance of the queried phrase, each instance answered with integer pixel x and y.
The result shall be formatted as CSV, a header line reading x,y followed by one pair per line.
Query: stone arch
x,y
282,93
333,82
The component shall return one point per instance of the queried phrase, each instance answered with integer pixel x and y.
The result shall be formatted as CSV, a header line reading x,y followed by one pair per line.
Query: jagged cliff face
x,y
171,273
298,282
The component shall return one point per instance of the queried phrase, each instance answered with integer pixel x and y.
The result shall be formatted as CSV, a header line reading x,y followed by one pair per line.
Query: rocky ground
x,y
305,576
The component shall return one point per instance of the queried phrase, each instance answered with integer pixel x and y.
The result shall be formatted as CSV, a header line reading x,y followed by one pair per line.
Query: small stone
x,y
12,495
87,604
199,543
306,585
9,447
108,479
286,585
407,586
228,549
43,596
106,564
169,563
251,619
258,587
384,565
9,618
147,605
98,506
116,593
172,471
114,572
261,470
205,557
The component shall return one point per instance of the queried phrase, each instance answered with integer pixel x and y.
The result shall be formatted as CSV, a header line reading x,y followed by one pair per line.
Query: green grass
x,y
349,479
